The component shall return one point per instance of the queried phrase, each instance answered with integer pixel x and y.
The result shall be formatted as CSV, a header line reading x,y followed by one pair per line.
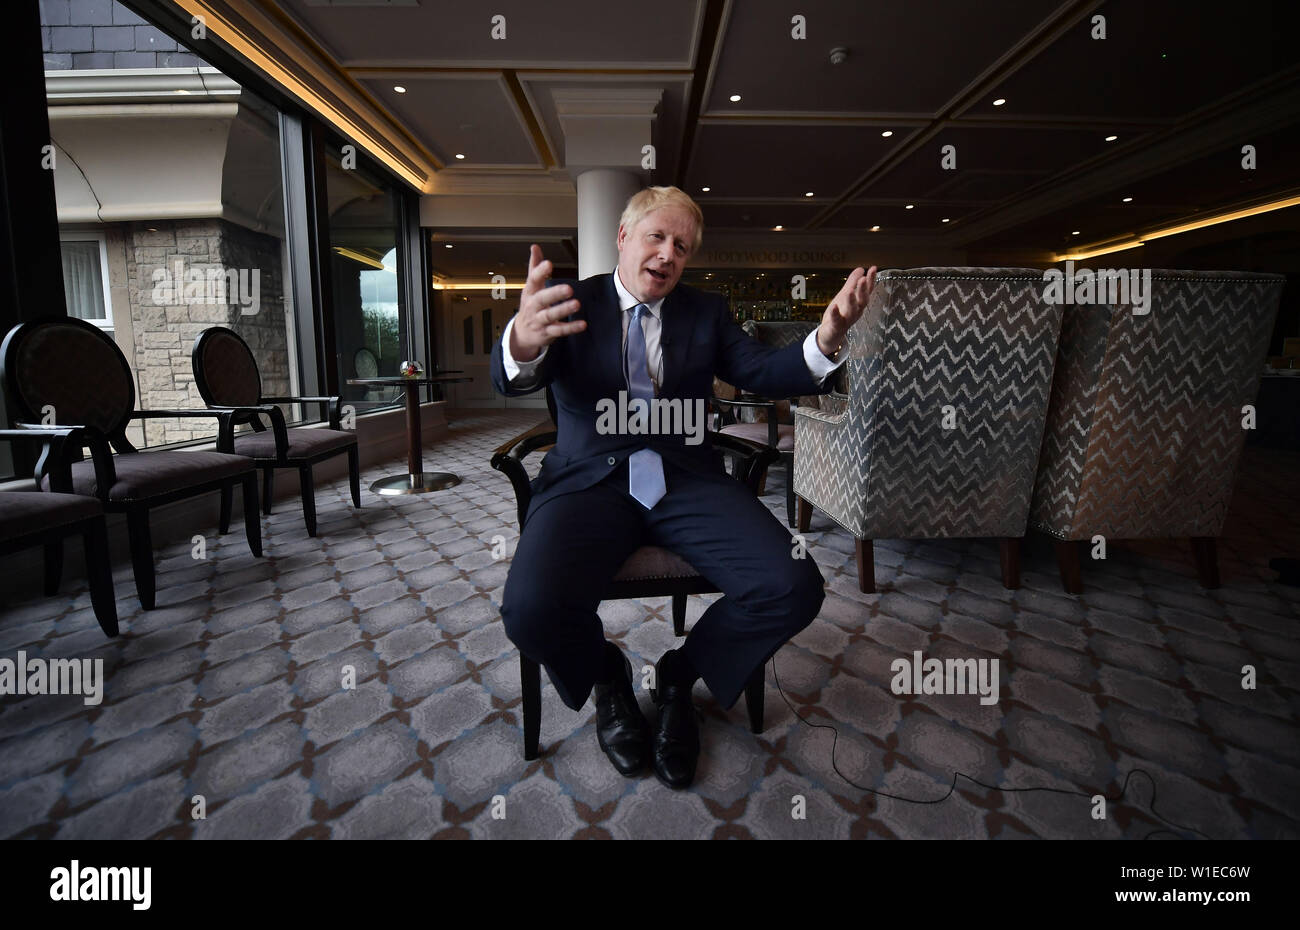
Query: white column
x,y
602,195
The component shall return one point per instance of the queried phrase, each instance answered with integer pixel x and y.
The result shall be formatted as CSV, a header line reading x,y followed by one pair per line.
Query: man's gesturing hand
x,y
845,310
540,310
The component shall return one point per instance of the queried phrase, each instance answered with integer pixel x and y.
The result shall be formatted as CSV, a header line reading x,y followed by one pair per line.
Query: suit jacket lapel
x,y
606,330
674,340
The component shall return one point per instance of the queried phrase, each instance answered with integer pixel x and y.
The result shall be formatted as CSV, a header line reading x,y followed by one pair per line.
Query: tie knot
x,y
638,310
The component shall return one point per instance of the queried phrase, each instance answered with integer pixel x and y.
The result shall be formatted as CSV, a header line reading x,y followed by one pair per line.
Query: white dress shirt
x,y
521,374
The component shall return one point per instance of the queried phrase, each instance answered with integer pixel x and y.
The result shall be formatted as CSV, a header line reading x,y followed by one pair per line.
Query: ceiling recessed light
x,y
399,88
449,246
735,98
887,133
808,193
909,206
946,220
999,101
875,229
458,155
1111,138
1128,199
706,189
778,228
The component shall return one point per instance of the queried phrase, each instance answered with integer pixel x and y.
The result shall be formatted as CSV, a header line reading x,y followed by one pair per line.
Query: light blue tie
x,y
645,469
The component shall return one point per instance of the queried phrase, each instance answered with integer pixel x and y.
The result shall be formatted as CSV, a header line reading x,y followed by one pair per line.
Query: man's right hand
x,y
541,309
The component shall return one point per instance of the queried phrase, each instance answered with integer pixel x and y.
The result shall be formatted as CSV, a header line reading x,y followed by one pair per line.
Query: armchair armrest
x,y
55,457
751,459
508,458
225,422
330,405
278,428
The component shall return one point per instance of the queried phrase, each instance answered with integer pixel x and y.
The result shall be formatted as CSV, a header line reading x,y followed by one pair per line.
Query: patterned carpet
x,y
231,689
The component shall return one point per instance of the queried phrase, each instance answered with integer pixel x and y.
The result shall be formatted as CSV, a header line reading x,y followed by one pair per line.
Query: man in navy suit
x,y
617,349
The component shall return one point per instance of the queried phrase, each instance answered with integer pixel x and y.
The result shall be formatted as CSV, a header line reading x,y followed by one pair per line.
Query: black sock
x,y
612,667
678,668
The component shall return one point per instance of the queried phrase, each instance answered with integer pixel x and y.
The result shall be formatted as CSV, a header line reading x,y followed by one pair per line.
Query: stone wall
x,y
165,319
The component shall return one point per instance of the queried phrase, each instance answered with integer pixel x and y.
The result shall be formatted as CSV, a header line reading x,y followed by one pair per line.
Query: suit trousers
x,y
573,545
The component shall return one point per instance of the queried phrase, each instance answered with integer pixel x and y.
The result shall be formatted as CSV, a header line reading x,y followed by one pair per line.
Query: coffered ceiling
x,y
1157,111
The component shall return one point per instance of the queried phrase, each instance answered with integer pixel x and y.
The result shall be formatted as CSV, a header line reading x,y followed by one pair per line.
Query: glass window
x,y
85,278
171,210
370,314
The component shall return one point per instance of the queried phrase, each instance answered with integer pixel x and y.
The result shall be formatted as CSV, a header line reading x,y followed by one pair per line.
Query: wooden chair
x,y
70,370
45,519
226,375
651,571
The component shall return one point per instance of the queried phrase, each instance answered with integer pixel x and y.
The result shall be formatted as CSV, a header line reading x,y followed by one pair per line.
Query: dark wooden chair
x,y
651,571
70,370
45,519
226,375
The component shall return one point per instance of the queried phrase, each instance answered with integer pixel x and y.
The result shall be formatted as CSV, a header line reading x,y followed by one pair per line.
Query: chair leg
x,y
1010,563
137,526
308,490
99,572
754,692
1206,554
762,483
1067,560
530,678
252,522
53,567
679,614
223,524
354,475
268,489
865,554
805,515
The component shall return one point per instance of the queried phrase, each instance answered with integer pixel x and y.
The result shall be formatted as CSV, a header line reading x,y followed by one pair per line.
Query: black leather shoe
x,y
676,742
621,729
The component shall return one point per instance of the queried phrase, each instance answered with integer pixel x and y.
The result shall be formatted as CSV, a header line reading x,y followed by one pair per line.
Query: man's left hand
x,y
845,310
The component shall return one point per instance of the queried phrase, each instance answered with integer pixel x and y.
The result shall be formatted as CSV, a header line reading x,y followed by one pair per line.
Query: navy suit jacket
x,y
698,338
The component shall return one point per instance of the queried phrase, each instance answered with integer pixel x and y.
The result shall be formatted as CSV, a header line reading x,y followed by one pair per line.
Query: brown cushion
x,y
654,562
23,512
757,432
303,443
142,475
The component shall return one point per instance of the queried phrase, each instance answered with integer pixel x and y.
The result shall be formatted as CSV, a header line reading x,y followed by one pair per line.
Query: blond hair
x,y
653,198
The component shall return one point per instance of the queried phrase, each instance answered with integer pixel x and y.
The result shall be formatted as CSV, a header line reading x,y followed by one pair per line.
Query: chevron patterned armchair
x,y
949,373
1145,426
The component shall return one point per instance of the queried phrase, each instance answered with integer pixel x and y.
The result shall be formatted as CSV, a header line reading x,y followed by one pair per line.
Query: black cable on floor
x,y
956,775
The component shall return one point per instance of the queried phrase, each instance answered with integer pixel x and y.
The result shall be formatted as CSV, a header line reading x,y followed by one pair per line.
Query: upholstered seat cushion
x,y
141,475
757,432
23,512
654,562
303,443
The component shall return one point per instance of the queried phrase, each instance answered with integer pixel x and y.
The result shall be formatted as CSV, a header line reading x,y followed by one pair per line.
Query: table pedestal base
x,y
415,484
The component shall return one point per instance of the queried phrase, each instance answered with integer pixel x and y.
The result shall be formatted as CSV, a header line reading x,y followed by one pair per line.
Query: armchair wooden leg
x,y
679,614
354,475
53,567
805,515
754,694
762,483
308,489
1067,560
530,678
252,522
1206,554
223,523
1010,563
866,565
99,572
268,489
789,493
137,526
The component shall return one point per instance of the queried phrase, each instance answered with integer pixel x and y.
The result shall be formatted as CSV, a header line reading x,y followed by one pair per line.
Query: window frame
x,y
90,235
